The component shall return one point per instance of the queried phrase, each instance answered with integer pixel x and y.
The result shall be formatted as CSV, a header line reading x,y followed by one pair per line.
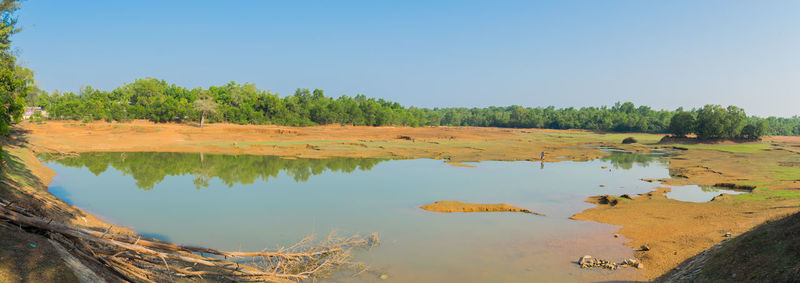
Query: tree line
x,y
158,101
715,122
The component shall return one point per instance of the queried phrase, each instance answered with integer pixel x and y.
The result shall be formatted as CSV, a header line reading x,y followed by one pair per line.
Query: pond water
x,y
257,202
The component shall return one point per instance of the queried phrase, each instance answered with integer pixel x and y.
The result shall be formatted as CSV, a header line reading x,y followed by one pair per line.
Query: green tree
x,y
681,124
204,106
710,122
12,86
755,130
735,120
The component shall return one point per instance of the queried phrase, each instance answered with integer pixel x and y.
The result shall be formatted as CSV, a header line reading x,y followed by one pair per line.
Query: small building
x,y
29,111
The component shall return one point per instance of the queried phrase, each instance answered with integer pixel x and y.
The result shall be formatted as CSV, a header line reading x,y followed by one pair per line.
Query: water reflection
x,y
626,160
418,246
150,168
694,193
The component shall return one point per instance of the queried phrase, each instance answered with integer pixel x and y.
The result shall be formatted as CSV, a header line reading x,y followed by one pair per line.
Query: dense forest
x,y
159,101
150,168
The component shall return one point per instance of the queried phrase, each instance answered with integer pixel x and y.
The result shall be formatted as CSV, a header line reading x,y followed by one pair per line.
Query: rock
x,y
639,265
608,265
616,235
604,167
644,248
727,234
384,276
629,262
627,196
629,140
605,199
584,260
602,186
589,262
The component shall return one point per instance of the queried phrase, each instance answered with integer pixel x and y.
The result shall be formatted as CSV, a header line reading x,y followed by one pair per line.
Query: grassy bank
x,y
768,253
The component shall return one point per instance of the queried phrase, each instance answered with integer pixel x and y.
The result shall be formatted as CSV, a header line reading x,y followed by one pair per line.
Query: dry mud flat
x,y
673,230
451,143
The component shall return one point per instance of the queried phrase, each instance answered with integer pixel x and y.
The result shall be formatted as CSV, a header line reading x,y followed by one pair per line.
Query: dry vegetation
x,y
137,258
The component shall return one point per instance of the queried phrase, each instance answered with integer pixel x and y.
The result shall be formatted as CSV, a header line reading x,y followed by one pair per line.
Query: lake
x,y
256,202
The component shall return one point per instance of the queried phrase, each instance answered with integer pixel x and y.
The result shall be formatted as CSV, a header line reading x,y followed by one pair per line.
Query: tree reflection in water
x,y
150,168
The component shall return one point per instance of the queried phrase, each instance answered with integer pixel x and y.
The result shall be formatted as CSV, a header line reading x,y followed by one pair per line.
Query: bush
x,y
755,130
681,124
710,122
629,140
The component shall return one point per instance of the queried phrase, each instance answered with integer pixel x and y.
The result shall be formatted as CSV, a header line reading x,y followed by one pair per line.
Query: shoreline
x,y
642,220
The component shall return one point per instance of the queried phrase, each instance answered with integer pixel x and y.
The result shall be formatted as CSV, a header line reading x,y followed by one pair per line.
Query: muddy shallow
x,y
225,202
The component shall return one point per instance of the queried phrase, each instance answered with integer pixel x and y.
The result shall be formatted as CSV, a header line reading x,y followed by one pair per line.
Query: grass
x,y
597,137
763,193
786,173
751,183
732,148
640,138
768,253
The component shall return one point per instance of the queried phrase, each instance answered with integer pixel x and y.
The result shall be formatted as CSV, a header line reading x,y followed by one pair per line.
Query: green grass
x,y
786,173
595,137
765,193
757,184
733,148
617,138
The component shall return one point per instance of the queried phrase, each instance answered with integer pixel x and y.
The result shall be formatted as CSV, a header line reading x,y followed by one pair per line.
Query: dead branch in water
x,y
143,259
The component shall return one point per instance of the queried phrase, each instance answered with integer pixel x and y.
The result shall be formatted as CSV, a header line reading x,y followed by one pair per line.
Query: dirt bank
x,y
675,230
678,230
746,258
30,257
449,206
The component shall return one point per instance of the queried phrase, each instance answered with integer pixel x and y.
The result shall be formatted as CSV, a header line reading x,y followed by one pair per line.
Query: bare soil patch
x,y
449,206
450,143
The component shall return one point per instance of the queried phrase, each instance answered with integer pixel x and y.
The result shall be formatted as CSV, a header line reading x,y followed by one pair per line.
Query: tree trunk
x,y
202,119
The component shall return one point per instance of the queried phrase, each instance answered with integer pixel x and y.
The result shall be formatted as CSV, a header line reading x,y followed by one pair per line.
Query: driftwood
x,y
137,258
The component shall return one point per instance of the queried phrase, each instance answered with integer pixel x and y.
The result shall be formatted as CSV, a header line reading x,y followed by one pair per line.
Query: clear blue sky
x,y
433,53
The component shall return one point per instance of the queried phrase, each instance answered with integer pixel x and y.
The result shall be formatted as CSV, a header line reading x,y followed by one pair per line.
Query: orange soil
x,y
453,143
449,206
675,230
783,139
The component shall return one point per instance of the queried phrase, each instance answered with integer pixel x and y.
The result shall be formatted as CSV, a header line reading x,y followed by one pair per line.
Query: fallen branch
x,y
151,260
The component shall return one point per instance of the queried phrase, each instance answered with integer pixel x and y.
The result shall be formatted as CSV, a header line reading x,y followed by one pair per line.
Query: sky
x,y
664,54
